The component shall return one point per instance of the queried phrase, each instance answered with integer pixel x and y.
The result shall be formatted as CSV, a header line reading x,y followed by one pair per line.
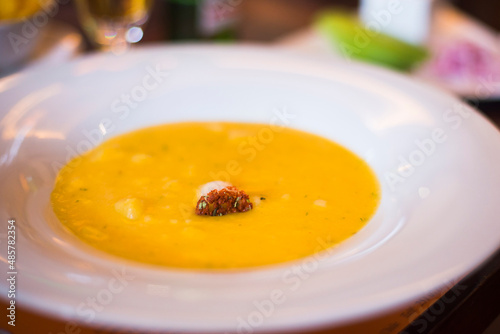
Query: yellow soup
x,y
135,195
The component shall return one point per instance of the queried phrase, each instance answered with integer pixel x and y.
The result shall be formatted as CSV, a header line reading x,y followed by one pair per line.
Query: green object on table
x,y
353,40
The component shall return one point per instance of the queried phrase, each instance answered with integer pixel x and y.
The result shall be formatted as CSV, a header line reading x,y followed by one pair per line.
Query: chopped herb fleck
x,y
214,213
77,201
202,205
262,198
83,189
307,213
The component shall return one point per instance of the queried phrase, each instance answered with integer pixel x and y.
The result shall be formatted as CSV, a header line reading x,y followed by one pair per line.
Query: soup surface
x,y
135,195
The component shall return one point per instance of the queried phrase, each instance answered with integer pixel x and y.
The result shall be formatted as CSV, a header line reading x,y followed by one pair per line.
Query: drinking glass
x,y
113,24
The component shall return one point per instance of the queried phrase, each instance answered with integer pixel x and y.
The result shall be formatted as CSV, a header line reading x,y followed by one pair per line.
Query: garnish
x,y
221,199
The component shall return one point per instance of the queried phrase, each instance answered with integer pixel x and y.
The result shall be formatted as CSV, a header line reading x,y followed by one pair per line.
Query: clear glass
x,y
113,24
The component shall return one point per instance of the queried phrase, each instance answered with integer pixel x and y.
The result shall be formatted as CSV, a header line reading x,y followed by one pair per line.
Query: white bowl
x,y
437,161
17,41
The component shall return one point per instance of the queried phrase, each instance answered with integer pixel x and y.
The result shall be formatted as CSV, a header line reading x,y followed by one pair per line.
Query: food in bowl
x,y
12,10
20,24
136,195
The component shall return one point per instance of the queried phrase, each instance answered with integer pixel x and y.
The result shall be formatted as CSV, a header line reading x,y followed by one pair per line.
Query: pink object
x,y
464,59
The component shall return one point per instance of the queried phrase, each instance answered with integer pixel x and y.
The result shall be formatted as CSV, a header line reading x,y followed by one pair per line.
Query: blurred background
x,y
451,43
255,20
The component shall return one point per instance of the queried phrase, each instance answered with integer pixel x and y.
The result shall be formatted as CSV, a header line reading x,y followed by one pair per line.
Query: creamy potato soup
x,y
135,196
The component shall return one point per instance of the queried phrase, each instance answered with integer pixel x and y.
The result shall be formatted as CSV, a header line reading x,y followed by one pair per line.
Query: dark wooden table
x,y
471,310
